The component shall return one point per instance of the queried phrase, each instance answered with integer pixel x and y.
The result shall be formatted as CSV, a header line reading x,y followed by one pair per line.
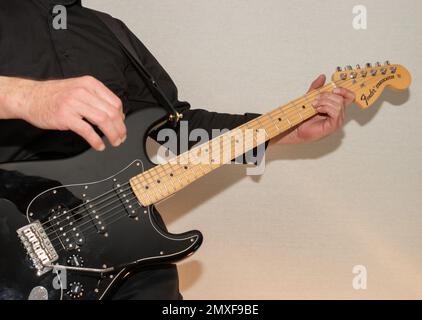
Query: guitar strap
x,y
122,37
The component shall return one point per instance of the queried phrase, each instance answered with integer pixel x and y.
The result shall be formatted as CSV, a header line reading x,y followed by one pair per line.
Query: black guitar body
x,y
81,228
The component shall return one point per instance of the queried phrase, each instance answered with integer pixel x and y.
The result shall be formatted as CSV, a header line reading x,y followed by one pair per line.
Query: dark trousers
x,y
154,283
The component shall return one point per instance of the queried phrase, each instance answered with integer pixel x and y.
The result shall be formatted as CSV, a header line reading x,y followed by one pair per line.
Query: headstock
x,y
369,82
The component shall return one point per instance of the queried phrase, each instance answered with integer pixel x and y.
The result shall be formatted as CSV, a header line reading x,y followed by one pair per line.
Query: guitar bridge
x,y
38,247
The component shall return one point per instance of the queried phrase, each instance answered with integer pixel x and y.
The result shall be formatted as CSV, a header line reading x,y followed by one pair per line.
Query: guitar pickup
x,y
96,216
65,225
127,200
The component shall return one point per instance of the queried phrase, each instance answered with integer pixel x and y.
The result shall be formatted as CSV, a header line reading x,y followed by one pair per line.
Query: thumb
x,y
318,83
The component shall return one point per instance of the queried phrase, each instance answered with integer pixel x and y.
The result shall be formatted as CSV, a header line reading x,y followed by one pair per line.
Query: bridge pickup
x,y
38,247
65,225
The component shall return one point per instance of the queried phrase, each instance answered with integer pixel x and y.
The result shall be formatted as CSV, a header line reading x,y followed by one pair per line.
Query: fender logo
x,y
373,91
369,97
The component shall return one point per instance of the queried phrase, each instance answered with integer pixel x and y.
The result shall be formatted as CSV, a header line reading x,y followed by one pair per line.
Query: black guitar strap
x,y
122,37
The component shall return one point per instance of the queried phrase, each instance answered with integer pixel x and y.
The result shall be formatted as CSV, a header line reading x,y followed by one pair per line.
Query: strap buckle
x,y
175,118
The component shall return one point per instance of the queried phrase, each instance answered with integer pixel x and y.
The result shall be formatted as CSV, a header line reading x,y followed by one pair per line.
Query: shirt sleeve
x,y
194,118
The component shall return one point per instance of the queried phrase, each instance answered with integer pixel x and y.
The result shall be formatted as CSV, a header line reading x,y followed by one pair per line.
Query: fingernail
x,y
102,148
336,91
315,103
124,138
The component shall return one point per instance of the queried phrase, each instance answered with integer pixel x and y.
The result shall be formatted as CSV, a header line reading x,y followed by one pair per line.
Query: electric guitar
x,y
76,228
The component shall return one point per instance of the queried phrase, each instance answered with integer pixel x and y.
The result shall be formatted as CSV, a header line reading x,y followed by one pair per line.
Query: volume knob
x,y
76,290
75,261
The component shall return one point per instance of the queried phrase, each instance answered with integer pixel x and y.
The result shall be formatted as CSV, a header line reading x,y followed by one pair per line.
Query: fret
x,y
157,189
274,131
287,118
149,196
177,175
272,120
301,117
162,179
262,127
180,171
167,171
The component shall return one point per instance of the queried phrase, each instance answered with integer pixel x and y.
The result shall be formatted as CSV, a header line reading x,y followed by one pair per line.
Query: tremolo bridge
x,y
38,247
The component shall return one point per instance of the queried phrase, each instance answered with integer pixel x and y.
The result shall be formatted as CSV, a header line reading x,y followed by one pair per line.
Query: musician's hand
x,y
72,104
331,107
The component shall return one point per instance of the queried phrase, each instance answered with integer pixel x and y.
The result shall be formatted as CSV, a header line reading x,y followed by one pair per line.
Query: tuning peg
x,y
349,68
387,63
339,69
378,64
358,66
369,65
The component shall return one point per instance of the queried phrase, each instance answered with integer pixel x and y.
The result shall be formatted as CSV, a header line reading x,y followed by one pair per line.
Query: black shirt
x,y
31,48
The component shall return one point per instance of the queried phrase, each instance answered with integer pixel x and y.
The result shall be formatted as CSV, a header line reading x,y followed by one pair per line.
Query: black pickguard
x,y
91,217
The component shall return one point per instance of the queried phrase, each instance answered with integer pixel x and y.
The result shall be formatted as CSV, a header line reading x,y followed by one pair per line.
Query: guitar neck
x,y
164,180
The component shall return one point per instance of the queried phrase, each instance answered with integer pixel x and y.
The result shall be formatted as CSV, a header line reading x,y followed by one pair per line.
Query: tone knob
x,y
76,290
75,260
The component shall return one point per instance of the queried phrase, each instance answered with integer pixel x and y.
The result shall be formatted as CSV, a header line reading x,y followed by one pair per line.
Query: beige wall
x,y
320,209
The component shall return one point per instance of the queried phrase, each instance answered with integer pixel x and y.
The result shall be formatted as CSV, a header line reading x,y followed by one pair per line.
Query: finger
x,y
318,83
336,117
86,131
102,120
114,115
327,105
99,89
348,95
337,99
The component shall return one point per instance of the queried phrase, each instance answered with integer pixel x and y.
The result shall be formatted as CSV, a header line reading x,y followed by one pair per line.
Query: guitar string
x,y
102,195
76,228
84,231
74,212
91,214
266,118
82,213
294,106
114,213
66,212
83,204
